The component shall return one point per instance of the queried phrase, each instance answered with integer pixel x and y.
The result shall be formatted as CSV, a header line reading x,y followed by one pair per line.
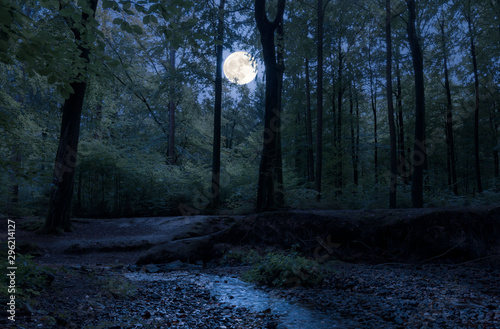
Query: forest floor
x,y
369,286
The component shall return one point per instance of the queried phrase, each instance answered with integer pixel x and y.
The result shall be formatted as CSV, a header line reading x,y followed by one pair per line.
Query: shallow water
x,y
231,290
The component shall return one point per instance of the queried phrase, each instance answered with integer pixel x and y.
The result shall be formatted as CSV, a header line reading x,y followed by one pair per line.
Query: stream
x,y
233,291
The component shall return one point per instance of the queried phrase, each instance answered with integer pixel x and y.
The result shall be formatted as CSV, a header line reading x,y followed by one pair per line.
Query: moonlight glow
x,y
240,67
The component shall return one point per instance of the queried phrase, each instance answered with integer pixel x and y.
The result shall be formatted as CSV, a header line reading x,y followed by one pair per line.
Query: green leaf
x,y
66,12
127,5
118,21
137,29
5,16
129,12
76,17
140,8
107,4
51,79
126,27
44,71
146,19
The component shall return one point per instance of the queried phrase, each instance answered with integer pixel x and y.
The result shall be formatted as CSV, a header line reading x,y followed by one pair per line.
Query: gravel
x,y
366,296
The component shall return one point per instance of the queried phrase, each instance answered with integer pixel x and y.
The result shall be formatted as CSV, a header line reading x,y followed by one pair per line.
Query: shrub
x,y
285,270
31,278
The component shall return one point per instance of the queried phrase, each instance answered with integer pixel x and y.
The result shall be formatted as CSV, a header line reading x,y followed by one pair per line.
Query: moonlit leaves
x,y
149,10
150,19
125,26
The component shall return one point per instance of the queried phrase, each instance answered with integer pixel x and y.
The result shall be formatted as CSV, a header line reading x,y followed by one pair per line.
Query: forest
x,y
118,108
353,184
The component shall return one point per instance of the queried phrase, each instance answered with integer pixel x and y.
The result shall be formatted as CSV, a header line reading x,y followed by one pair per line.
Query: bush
x,y
31,278
285,270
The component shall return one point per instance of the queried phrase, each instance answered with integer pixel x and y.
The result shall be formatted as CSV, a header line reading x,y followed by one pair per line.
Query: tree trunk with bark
x,y
477,160
58,218
450,141
402,168
390,108
218,109
338,141
354,153
310,156
419,149
280,38
373,97
267,197
171,115
319,99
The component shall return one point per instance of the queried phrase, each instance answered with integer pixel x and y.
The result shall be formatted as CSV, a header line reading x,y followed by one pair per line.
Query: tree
x,y
373,101
269,164
171,115
472,35
58,218
309,150
450,140
390,108
319,100
419,150
218,108
400,120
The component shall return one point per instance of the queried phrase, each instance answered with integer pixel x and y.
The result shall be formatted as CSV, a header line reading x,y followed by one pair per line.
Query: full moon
x,y
240,67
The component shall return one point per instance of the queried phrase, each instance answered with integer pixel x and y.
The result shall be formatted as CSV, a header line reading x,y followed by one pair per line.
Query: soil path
x,y
111,241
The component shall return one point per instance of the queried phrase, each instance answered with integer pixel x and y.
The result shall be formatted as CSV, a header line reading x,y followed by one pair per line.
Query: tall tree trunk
x,y
58,218
357,130
402,168
494,129
353,138
390,108
373,97
419,149
171,115
477,160
319,99
450,142
280,38
338,141
310,156
218,109
266,191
